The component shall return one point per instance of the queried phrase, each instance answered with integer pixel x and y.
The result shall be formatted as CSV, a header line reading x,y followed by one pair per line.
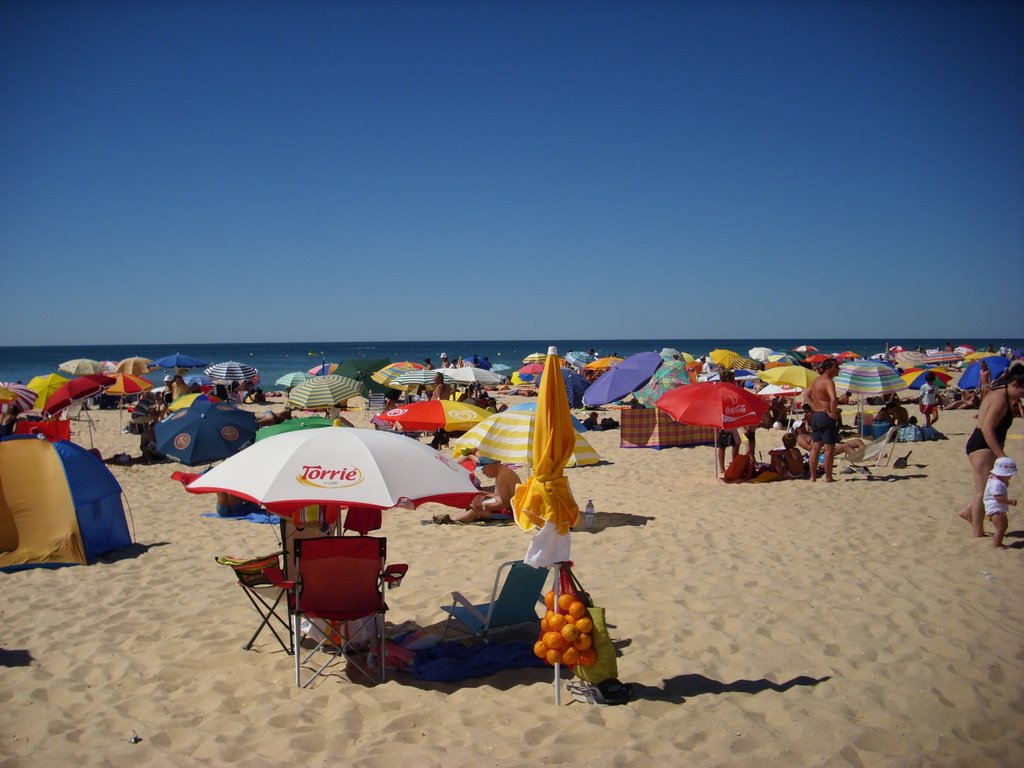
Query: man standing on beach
x,y
821,396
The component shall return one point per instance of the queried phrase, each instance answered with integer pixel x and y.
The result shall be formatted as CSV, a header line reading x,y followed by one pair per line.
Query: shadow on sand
x,y
678,689
10,657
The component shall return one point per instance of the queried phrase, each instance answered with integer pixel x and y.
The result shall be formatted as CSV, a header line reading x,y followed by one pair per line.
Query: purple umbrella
x,y
628,376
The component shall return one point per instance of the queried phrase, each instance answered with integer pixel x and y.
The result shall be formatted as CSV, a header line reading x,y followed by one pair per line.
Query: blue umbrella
x,y
575,386
178,360
205,432
628,376
198,378
996,364
532,408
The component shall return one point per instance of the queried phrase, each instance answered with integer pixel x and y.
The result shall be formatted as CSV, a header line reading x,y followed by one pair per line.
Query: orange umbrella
x,y
128,384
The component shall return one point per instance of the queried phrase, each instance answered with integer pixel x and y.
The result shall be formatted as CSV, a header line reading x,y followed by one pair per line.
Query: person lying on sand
x,y
488,506
269,417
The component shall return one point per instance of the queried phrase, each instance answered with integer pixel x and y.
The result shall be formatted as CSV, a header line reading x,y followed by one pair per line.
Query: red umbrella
x,y
818,358
713,404
77,389
429,415
531,369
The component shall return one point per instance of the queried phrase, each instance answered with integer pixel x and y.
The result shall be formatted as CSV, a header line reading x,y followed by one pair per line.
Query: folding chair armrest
x,y
276,577
394,573
458,597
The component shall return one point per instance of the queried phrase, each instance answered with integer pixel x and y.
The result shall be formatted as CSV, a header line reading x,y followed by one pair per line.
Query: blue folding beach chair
x,y
514,605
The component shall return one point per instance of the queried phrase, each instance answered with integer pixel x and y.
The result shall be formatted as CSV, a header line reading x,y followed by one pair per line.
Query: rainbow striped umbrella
x,y
868,377
324,369
914,377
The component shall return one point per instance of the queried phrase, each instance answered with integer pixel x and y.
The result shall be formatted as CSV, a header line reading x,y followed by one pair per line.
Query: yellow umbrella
x,y
729,359
186,401
44,386
977,356
137,366
535,357
545,496
603,363
789,375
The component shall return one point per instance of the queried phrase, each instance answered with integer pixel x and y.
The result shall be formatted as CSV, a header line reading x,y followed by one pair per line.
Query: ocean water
x,y
275,360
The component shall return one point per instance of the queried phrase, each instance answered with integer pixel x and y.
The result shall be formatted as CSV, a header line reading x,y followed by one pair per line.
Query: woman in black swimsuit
x,y
985,444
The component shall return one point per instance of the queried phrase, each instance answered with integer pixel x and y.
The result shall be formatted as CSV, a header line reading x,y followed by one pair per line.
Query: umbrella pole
x,y
558,667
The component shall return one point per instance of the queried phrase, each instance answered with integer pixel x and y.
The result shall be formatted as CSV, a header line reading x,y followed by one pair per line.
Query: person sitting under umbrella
x,y
493,506
229,505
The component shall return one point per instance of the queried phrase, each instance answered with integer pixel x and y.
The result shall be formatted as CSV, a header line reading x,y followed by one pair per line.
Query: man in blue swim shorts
x,y
821,396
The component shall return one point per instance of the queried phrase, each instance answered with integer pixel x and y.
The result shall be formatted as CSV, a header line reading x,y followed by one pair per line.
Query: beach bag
x,y
605,667
909,434
931,433
739,470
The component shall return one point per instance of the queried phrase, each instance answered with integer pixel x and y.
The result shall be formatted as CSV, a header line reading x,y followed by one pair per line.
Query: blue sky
x,y
270,171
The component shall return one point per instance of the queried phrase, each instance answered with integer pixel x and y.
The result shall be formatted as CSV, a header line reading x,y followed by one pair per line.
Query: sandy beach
x,y
855,624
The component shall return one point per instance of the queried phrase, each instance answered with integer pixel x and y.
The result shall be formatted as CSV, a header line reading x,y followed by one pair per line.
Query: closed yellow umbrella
x,y
544,501
545,496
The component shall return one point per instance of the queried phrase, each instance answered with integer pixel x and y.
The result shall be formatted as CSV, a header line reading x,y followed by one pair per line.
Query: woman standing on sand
x,y
985,444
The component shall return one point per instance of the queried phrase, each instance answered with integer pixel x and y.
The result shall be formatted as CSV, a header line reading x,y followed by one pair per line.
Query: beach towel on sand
x,y
451,661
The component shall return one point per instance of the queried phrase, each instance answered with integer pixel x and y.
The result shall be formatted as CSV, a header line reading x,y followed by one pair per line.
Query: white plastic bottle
x,y
588,515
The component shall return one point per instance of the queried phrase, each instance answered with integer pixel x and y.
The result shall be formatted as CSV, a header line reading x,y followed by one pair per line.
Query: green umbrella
x,y
670,374
293,379
361,369
290,425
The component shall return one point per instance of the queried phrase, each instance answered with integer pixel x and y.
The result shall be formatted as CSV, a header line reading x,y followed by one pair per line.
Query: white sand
x,y
777,624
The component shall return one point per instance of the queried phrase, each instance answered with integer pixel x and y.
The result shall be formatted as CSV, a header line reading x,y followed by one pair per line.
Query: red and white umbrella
x,y
23,397
339,466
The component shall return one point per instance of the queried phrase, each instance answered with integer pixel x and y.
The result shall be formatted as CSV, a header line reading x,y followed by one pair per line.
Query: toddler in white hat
x,y
996,500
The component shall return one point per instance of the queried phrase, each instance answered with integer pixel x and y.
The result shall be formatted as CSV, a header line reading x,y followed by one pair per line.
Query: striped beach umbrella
x,y
230,371
779,358
471,375
386,375
729,359
187,401
321,392
868,377
942,358
82,366
536,357
20,395
575,358
137,366
292,379
508,437
324,369
425,377
127,384
914,377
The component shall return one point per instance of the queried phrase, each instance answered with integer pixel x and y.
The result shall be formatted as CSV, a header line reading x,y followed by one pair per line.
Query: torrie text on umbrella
x,y
318,477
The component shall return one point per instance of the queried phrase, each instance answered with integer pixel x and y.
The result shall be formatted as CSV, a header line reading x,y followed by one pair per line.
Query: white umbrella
x,y
338,465
761,354
413,379
471,375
